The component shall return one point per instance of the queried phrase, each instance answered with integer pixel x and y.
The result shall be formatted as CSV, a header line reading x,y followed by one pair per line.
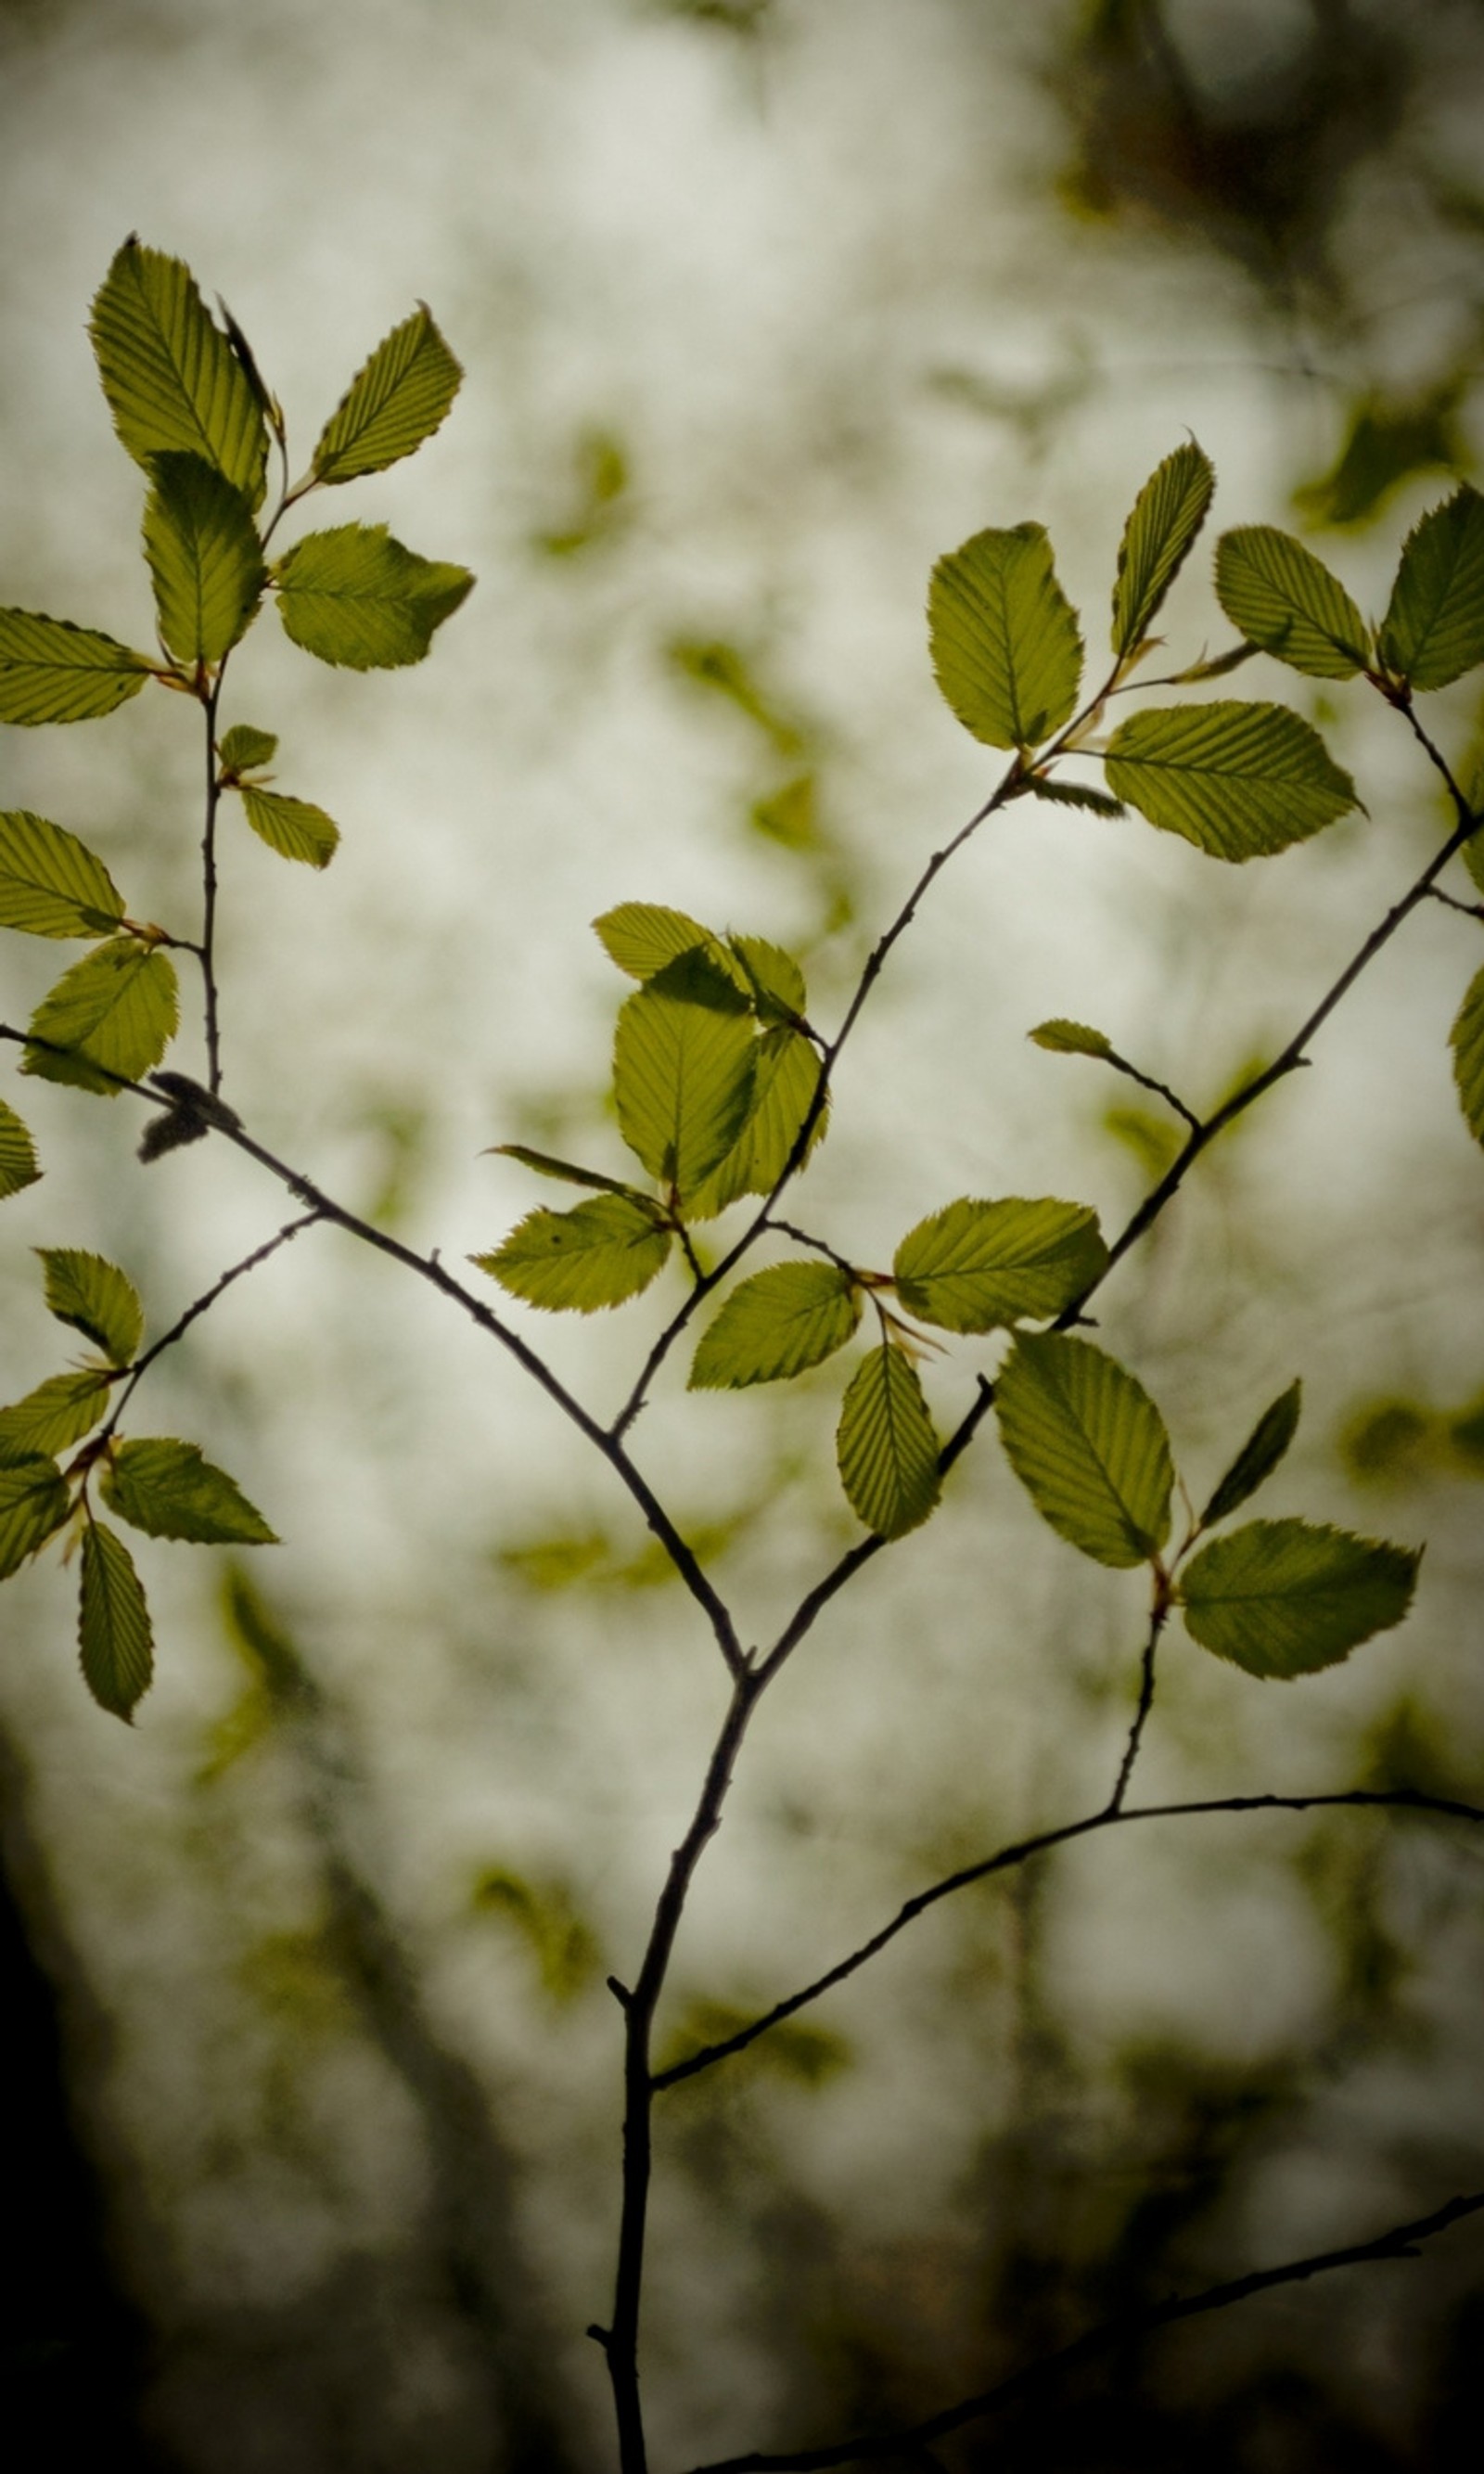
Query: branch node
x,y
621,1992
600,2336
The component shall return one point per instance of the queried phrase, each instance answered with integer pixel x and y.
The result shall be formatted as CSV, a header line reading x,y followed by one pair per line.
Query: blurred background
x,y
311,2147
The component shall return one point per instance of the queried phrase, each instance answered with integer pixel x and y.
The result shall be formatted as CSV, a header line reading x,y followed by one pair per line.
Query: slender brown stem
x,y
1158,1620
284,1236
208,946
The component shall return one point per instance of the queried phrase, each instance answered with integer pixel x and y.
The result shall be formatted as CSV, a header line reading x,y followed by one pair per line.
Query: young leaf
x,y
50,884
117,1008
96,1299
1073,794
643,937
291,827
563,1944
205,558
1467,1040
53,671
356,598
113,1624
1005,650
785,1075
33,1504
1433,630
976,1265
1071,1038
885,1446
244,748
171,377
598,1254
1167,515
775,1325
1090,1446
1240,780
393,405
564,1171
168,1491
58,1413
1283,1598
1258,1457
19,1166
1286,599
774,978
683,1068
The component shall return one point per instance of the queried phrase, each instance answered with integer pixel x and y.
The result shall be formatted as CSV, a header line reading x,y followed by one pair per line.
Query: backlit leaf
x,y
1005,650
50,884
203,556
643,937
117,1008
33,1504
1071,1038
1467,1039
113,1623
58,1413
168,1490
885,1446
976,1266
775,1325
291,827
786,1074
1167,515
96,1299
773,978
1434,626
598,1254
683,1069
1286,599
53,671
170,374
1089,1445
1240,780
19,1166
1073,794
243,748
564,1171
1258,1457
356,598
1283,1598
393,405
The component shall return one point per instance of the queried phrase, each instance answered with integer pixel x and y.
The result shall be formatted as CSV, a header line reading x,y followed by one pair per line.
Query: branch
x,y
1400,2242
250,1262
1007,1860
1156,1624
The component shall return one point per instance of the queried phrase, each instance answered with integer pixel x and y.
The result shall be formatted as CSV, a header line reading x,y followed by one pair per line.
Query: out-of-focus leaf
x,y
1467,1039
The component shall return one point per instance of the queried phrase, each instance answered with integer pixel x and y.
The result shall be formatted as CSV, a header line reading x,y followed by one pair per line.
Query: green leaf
x,y
683,1070
1240,780
1433,630
205,558
1005,650
53,671
1282,1598
291,827
598,1254
1467,1040
1072,794
51,884
1258,1457
643,937
772,977
33,1504
790,814
564,1171
1071,1038
562,1943
1286,599
775,1325
113,1624
244,748
19,1166
117,1008
885,1446
976,1265
356,598
170,374
785,1077
168,1491
1090,1446
58,1413
96,1299
393,405
1167,515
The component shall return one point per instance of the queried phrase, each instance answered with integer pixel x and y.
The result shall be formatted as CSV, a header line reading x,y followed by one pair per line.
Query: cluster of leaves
x,y
160,1486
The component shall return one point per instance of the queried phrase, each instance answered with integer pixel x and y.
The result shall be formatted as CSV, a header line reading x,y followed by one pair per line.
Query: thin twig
x,y
250,1262
1156,1624
1129,2327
